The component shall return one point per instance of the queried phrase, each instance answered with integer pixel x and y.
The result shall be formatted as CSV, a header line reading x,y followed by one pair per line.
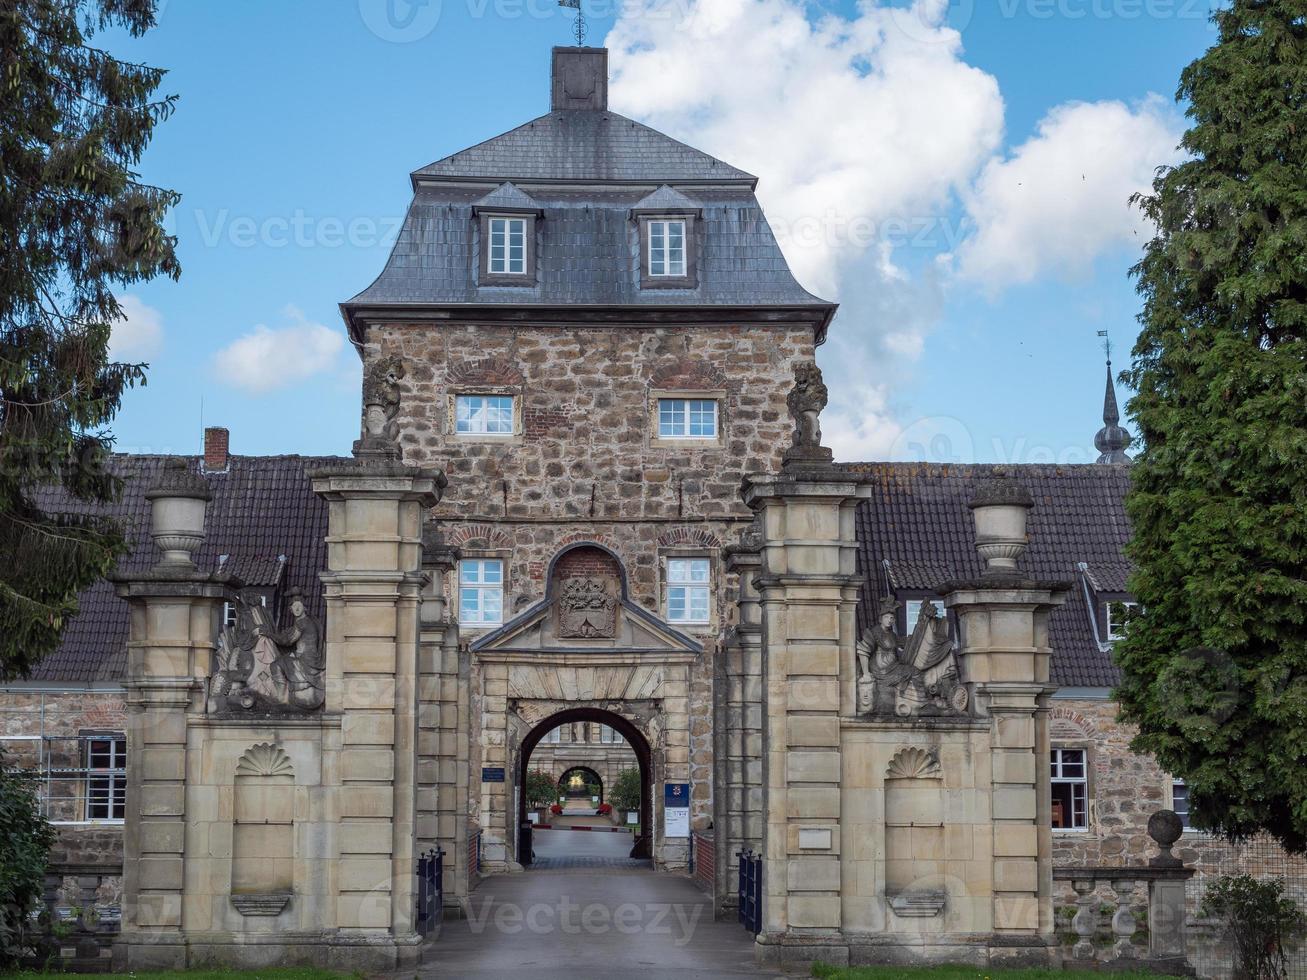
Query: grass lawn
x,y
825,972
285,973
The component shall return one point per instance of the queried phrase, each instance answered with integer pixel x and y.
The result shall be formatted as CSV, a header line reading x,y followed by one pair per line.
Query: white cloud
x,y
1061,198
270,358
849,123
879,156
138,334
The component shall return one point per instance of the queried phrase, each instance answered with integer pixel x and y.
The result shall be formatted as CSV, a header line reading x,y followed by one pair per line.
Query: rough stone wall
x,y
65,714
585,462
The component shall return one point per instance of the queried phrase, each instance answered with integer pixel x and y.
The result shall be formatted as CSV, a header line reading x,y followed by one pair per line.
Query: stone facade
x,y
585,465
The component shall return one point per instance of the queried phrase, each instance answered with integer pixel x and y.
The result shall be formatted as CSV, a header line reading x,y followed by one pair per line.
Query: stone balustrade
x,y
1164,876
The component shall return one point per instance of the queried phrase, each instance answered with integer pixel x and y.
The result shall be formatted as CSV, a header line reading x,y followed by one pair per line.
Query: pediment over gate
x,y
586,609
556,626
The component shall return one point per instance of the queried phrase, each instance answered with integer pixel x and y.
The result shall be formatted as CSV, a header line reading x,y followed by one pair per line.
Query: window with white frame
x,y
230,613
1119,615
1180,801
106,777
507,246
687,418
553,736
481,592
608,735
687,590
667,247
1070,783
912,612
483,415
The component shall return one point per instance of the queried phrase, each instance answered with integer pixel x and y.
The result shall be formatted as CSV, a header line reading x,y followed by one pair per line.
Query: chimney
x,y
580,78
215,449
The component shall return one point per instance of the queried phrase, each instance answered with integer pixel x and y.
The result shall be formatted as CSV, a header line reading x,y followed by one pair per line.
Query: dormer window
x,y
507,247
1119,615
666,247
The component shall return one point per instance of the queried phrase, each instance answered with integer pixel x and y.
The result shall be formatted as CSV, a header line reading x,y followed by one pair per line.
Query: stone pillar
x,y
174,610
1005,652
808,586
373,586
442,743
740,806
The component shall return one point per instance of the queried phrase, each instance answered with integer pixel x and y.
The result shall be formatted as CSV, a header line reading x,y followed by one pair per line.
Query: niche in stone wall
x,y
263,834
914,832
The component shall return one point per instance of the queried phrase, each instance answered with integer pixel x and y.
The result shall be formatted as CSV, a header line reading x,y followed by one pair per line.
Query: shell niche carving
x,y
264,759
913,763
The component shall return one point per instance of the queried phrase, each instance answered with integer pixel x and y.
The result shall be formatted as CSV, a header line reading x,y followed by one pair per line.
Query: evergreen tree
x,y
75,223
1216,663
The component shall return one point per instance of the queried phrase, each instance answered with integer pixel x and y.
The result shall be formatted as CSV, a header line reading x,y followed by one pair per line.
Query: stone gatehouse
x,y
590,490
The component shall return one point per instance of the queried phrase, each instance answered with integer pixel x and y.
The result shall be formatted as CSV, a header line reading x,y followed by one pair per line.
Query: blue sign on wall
x,y
676,794
492,774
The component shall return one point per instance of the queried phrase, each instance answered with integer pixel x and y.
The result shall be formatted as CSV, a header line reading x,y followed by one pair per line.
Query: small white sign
x,y
814,838
533,817
676,821
632,817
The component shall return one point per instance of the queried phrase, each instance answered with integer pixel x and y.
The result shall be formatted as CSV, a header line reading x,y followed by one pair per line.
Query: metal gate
x,y
750,891
431,891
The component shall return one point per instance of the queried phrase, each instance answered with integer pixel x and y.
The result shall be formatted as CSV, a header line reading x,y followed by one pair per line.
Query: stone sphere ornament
x,y
1165,827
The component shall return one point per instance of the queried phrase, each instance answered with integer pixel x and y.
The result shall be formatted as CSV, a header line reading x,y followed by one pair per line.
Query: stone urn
x,y
1000,508
178,500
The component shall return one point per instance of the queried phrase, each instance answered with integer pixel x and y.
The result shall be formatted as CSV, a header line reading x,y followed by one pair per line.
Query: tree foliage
x,y
75,223
625,791
1215,664
24,847
540,789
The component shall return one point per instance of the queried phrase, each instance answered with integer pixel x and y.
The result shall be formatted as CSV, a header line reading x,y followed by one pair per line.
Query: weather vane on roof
x,y
1107,345
578,28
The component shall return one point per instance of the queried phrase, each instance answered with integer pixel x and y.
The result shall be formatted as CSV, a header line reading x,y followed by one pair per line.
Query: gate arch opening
x,y
643,845
588,776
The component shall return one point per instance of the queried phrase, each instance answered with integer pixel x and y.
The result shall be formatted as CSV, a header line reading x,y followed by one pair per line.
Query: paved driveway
x,y
592,922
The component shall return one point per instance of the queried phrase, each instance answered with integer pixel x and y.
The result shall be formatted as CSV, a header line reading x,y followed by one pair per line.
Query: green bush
x,y
625,791
1262,922
24,848
540,789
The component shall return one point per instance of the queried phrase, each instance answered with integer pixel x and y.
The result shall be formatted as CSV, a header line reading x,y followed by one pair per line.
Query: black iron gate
x,y
750,891
431,891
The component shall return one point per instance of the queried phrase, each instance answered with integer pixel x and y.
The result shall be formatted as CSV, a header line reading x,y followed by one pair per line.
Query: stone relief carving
x,y
264,759
916,679
587,609
258,667
913,763
380,408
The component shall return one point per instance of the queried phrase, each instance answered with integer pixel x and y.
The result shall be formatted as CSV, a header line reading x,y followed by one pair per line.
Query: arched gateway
x,y
585,652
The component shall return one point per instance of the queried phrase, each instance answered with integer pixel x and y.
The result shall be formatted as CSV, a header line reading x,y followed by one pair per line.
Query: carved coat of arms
x,y
587,609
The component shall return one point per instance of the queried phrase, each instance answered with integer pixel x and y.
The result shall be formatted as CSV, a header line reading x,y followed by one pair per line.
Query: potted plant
x,y
539,791
556,809
625,795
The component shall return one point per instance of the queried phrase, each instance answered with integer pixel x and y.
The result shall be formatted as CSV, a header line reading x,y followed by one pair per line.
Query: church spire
x,y
1111,440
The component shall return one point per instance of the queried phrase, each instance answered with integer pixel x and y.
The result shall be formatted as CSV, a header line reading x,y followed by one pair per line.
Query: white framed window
x,y
608,735
230,613
911,613
1070,784
484,415
553,736
106,777
1119,615
1180,801
481,592
687,418
507,247
667,247
687,590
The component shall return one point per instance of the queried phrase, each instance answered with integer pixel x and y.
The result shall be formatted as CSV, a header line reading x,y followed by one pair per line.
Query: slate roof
x,y
262,508
588,255
918,519
583,144
508,196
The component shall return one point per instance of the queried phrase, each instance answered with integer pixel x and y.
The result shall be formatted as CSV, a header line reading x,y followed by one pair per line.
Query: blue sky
x,y
981,153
